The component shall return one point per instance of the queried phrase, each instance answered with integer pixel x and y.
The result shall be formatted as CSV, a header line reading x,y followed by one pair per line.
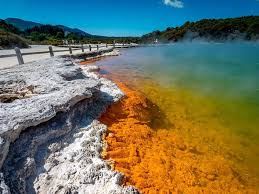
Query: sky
x,y
124,17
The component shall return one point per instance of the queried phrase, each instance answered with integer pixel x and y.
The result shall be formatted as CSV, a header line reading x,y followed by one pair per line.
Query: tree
x,y
60,35
71,36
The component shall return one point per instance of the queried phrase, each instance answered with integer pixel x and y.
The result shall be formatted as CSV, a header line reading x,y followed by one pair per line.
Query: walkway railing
x,y
68,49
51,52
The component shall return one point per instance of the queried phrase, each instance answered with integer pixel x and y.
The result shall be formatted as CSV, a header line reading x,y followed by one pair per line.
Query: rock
x,y
58,84
4,147
51,141
93,68
3,187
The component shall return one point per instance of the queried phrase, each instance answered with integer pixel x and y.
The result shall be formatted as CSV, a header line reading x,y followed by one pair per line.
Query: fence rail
x,y
9,55
69,49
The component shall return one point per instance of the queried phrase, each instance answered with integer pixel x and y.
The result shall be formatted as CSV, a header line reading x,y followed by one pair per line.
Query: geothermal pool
x,y
190,121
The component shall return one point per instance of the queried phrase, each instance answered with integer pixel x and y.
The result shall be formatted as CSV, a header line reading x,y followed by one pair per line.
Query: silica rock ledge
x,y
50,138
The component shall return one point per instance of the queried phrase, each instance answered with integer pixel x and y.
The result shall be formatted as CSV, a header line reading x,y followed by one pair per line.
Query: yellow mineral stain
x,y
146,146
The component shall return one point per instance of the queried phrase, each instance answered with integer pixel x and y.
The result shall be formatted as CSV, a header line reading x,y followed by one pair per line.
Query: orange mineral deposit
x,y
157,160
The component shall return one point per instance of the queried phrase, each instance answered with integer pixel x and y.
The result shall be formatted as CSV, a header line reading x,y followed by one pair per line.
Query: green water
x,y
217,84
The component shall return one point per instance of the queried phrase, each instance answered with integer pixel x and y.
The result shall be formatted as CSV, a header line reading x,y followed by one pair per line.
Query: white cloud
x,y
174,3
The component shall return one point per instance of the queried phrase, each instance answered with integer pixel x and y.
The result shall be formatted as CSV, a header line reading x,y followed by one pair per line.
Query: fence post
x,y
97,47
106,45
90,47
51,51
19,55
83,50
70,50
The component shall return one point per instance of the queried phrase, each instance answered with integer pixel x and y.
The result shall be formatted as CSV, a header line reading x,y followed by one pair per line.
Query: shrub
x,y
10,40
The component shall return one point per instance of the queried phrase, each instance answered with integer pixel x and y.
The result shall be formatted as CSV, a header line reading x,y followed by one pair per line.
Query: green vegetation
x,y
8,27
10,40
244,28
36,33
48,34
9,37
17,32
45,34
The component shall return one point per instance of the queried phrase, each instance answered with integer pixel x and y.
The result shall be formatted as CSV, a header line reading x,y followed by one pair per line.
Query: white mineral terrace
x,y
50,138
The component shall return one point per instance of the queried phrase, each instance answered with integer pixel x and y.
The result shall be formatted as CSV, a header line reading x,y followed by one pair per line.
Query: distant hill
x,y
23,25
231,29
74,30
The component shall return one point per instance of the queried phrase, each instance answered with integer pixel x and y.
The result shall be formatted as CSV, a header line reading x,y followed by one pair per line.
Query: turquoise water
x,y
213,87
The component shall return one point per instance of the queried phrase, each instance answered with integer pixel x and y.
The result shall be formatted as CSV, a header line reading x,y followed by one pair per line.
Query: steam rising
x,y
191,36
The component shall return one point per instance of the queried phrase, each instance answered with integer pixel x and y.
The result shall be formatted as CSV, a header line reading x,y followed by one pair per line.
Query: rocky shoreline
x,y
50,138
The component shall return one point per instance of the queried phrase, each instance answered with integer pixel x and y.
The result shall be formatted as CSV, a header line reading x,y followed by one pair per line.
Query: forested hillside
x,y
36,33
242,28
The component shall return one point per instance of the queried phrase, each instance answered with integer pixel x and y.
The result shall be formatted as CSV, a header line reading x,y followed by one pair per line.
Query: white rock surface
x,y
50,140
79,168
56,85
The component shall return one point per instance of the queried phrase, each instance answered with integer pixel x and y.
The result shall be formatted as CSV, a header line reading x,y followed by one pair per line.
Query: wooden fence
x,y
51,52
68,49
